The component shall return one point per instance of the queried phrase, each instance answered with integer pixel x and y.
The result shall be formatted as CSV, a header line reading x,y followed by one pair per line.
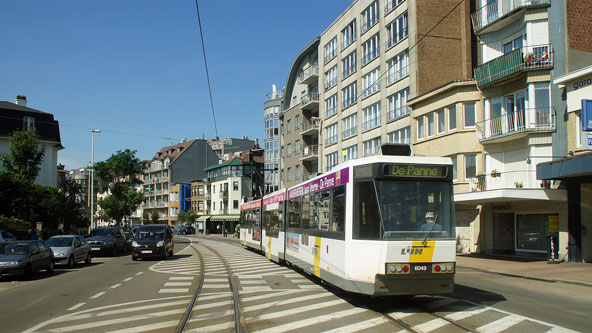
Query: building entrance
x,y
504,233
586,218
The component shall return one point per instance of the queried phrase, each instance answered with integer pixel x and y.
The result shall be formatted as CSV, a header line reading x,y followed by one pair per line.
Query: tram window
x,y
293,208
323,210
305,212
256,218
367,214
271,223
314,211
338,210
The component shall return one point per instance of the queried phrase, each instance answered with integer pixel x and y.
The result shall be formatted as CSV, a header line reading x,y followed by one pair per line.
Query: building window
x,y
398,67
469,114
397,106
370,16
350,127
349,64
350,95
289,174
452,117
371,117
454,167
289,129
235,186
441,121
200,190
331,106
297,147
371,82
470,166
297,122
289,149
235,204
331,134
331,77
348,35
350,153
331,50
420,128
431,124
397,30
372,146
391,4
371,49
297,172
200,206
399,136
331,160
28,123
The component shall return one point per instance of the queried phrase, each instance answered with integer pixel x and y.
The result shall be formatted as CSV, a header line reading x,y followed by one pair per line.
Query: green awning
x,y
203,218
228,218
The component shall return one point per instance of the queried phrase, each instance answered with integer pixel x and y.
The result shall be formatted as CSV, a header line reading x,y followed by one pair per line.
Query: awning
x,y
203,218
228,218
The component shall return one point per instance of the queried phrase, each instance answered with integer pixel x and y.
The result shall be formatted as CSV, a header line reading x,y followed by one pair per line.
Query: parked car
x,y
69,249
189,230
6,236
153,241
129,237
25,258
107,240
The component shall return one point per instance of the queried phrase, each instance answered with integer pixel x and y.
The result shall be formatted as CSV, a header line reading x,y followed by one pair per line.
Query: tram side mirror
x,y
395,149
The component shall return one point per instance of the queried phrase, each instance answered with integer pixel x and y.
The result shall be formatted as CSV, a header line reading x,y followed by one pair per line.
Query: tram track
x,y
183,325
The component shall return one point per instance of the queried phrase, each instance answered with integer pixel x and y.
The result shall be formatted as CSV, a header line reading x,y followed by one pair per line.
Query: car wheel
x,y
114,251
166,255
71,262
88,259
28,272
134,258
51,267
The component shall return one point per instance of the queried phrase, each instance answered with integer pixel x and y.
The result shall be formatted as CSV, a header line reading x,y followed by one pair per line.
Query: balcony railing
x,y
514,123
369,24
310,101
390,5
397,113
331,140
348,133
310,127
223,194
526,58
396,75
309,75
495,10
517,179
371,55
397,38
207,196
370,124
330,83
310,153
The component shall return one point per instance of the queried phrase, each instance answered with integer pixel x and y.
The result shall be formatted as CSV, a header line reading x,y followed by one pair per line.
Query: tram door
x,y
504,232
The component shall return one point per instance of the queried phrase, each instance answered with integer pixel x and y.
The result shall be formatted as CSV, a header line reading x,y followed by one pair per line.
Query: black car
x,y
129,237
25,258
107,240
153,241
189,230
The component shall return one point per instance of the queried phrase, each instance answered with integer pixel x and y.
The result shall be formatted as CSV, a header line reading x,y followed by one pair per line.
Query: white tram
x,y
381,225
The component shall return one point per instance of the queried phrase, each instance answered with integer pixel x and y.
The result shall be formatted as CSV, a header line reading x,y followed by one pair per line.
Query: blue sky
x,y
136,66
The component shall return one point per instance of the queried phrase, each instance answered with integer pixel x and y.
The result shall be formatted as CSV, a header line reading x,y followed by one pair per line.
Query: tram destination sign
x,y
320,184
414,170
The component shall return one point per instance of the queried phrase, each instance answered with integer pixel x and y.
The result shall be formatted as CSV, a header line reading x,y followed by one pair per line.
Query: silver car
x,y
6,236
69,249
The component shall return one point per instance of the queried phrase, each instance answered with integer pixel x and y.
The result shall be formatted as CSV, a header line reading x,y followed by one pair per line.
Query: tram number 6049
x,y
421,268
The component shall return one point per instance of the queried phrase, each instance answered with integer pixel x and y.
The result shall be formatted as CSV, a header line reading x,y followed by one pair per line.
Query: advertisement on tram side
x,y
292,241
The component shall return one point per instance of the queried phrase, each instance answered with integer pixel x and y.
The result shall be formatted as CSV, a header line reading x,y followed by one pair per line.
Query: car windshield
x,y
8,249
59,241
150,234
103,232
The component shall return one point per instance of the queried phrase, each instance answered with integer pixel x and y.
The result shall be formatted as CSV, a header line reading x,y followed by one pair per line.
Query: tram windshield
x,y
403,210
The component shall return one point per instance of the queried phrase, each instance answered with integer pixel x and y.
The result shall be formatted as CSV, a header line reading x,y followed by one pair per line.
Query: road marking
x,y
356,327
290,312
76,306
403,314
313,320
211,286
284,302
215,280
139,273
98,295
146,328
176,290
127,279
431,325
460,315
177,284
258,288
439,303
260,297
182,278
86,315
501,324
115,286
213,328
212,305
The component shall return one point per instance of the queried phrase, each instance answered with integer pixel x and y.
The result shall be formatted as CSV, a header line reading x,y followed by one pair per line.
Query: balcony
x,y
514,63
223,194
490,16
331,140
310,128
371,124
516,124
348,133
310,101
207,196
398,113
397,75
371,55
517,179
309,75
310,153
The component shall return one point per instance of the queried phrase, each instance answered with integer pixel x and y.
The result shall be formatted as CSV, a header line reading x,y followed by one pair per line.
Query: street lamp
x,y
92,178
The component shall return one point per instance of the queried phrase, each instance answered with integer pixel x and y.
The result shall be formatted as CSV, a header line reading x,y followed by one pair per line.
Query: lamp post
x,y
92,178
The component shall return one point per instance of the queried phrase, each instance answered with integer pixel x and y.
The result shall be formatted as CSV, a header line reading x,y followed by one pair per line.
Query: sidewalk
x,y
573,273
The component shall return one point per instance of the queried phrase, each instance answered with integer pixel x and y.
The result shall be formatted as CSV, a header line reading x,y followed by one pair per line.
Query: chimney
x,y
21,100
274,94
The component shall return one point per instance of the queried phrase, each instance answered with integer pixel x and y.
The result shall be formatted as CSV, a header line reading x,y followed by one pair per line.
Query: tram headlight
x,y
392,268
449,267
397,268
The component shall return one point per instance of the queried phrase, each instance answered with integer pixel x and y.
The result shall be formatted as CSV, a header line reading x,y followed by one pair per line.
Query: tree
x,y
120,172
25,155
145,217
71,209
154,217
187,217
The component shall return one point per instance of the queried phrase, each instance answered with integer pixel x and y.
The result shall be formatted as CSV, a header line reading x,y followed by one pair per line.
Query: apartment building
x,y
171,166
375,57
82,178
271,144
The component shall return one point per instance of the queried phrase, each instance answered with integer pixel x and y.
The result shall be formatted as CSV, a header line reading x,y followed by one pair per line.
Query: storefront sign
x,y
587,115
582,83
553,223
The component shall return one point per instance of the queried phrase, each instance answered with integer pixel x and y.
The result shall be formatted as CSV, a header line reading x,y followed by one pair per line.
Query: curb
x,y
579,283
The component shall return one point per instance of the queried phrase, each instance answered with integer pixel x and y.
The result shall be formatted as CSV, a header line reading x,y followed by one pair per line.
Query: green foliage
x,y
189,216
154,217
119,173
25,155
145,217
72,212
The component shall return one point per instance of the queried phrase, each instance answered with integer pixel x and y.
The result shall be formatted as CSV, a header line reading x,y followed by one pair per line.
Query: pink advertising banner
x,y
326,182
